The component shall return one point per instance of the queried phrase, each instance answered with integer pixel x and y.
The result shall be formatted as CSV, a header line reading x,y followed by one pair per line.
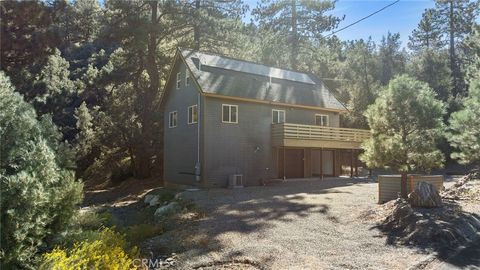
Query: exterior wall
x,y
246,147
181,142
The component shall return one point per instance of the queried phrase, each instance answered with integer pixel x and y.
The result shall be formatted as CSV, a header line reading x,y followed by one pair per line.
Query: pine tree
x,y
464,129
39,193
359,81
297,21
457,18
214,21
391,58
406,122
428,35
54,93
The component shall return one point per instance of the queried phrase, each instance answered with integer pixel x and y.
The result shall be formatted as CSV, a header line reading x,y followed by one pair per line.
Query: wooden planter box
x,y
389,186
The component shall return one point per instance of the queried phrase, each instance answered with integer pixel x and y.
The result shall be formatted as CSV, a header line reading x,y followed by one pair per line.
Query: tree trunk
x,y
294,37
145,151
452,57
196,27
403,185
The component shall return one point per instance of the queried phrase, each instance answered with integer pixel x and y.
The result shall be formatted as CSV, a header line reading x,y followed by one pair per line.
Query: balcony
x,y
296,135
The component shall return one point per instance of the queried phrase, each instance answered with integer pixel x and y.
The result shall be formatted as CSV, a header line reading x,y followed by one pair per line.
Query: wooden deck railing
x,y
309,132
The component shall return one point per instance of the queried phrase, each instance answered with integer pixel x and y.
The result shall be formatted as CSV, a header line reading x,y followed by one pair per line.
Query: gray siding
x,y
245,148
180,143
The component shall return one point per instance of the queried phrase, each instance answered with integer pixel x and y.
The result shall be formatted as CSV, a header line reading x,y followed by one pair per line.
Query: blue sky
x,y
402,17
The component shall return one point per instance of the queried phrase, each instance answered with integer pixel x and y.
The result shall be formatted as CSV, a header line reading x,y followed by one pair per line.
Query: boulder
x,y
148,198
155,200
425,195
168,209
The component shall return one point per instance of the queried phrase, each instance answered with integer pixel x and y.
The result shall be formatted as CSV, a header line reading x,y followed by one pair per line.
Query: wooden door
x,y
294,163
315,160
327,162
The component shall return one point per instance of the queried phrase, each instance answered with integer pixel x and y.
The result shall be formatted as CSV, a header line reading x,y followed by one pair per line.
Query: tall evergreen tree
x,y
214,21
428,35
457,18
391,58
360,83
297,21
406,122
39,192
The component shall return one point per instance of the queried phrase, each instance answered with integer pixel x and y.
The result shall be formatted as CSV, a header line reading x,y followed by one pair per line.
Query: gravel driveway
x,y
303,224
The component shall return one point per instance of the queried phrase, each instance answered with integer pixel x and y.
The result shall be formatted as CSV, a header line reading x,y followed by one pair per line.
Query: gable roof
x,y
230,77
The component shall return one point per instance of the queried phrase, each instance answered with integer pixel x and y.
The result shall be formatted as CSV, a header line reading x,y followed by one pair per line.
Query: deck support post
x,y
321,163
356,163
351,163
284,176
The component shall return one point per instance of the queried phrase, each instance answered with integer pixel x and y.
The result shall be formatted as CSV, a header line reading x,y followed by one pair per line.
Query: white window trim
x,y
170,119
278,115
179,80
230,114
191,117
326,116
187,78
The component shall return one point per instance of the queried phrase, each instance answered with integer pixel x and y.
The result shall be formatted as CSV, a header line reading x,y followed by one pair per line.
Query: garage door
x,y
294,163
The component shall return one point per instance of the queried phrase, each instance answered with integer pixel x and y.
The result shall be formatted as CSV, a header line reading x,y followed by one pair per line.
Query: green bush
x,y
39,192
136,234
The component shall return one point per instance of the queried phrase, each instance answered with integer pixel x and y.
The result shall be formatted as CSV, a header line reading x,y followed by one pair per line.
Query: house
x,y
226,117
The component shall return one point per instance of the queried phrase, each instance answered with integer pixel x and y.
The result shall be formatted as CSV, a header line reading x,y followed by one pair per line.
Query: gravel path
x,y
309,224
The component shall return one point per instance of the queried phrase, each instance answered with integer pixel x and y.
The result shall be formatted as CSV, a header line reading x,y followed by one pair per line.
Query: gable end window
x,y
179,79
187,78
278,116
229,113
321,120
193,114
172,119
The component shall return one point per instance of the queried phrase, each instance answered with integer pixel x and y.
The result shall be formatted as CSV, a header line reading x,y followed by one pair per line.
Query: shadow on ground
x,y
250,210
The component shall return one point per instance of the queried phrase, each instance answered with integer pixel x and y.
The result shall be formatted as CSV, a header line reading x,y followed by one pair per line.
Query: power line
x,y
366,17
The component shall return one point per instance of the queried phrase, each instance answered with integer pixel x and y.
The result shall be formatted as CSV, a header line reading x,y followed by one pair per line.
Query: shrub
x,y
105,250
138,233
39,192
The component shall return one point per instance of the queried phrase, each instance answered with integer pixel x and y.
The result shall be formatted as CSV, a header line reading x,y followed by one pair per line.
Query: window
x,y
187,78
179,79
229,113
172,119
193,114
278,116
321,120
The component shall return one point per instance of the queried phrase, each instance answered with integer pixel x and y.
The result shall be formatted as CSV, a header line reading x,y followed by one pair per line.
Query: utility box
x,y
235,181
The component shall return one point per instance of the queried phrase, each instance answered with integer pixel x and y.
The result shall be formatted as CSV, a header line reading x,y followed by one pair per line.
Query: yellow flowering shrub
x,y
106,252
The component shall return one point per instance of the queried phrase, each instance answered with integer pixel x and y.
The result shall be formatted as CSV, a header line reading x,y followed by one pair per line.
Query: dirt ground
x,y
303,224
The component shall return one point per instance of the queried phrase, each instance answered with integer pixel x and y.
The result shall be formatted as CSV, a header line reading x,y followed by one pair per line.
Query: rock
x,y
148,198
155,200
168,209
425,195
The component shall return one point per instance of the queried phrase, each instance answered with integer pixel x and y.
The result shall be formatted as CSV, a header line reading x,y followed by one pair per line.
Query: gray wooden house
x,y
231,119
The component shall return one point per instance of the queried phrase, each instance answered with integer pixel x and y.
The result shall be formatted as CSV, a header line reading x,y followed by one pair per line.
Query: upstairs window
x,y
229,113
278,116
172,119
187,78
321,120
193,114
179,79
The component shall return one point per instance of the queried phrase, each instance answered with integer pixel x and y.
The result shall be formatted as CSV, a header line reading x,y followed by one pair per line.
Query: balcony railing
x,y
296,135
